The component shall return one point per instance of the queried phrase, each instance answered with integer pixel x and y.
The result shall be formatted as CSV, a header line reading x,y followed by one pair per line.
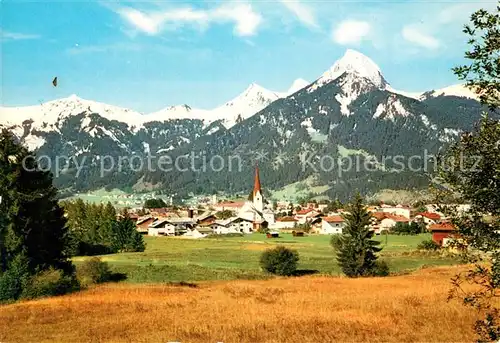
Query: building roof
x,y
231,204
430,215
143,220
333,219
385,215
442,227
305,211
286,219
256,184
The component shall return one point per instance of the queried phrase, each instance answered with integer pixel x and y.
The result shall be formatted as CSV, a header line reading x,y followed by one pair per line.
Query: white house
x,y
284,223
305,215
233,225
333,225
161,227
428,218
398,210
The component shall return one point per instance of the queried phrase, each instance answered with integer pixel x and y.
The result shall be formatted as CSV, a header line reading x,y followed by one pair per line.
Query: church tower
x,y
258,200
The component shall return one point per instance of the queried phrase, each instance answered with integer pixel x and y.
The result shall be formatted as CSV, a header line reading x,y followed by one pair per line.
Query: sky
x,y
150,55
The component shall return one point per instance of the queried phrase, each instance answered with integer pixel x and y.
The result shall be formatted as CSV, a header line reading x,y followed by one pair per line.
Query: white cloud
x,y
9,36
416,36
351,32
304,13
245,19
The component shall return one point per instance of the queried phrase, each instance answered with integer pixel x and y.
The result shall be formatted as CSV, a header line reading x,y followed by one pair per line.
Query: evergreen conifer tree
x,y
356,250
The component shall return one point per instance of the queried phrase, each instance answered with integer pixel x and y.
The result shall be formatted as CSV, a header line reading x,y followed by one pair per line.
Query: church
x,y
255,208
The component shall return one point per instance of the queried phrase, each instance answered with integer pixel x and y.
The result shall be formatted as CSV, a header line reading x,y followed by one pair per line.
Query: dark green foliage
x,y
93,271
34,237
381,269
14,279
224,214
95,229
412,228
125,236
154,203
356,250
32,221
473,172
49,283
428,244
91,227
280,261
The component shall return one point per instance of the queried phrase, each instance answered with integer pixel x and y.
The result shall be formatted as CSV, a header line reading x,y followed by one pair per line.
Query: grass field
x,y
404,308
229,258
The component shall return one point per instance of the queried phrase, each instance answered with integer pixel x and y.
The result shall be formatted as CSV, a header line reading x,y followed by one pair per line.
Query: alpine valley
x,y
296,135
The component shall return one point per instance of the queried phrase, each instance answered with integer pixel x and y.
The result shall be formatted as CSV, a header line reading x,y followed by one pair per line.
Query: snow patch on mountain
x,y
379,111
459,90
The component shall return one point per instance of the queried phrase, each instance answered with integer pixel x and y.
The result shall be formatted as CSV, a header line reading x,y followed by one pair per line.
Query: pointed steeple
x,y
256,184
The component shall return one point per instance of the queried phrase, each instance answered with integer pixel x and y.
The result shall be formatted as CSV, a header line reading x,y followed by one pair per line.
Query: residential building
x,y
332,225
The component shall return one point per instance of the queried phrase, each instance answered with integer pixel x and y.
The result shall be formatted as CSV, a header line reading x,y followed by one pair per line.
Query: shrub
x,y
13,281
280,261
334,241
48,283
428,244
93,271
381,269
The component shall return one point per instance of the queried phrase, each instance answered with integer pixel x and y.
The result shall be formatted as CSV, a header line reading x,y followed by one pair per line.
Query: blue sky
x,y
147,56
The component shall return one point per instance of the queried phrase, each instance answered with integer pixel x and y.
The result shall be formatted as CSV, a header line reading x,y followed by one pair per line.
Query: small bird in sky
x,y
54,82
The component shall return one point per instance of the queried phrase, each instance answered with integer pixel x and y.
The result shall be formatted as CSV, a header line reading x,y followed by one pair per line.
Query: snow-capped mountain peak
x,y
297,85
356,63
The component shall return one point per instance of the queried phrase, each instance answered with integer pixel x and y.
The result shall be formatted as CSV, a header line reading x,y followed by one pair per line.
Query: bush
x,y
280,261
334,241
49,283
381,269
93,271
14,280
428,245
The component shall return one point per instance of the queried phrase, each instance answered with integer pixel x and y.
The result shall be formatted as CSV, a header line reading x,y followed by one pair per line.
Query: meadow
x,y
170,259
404,308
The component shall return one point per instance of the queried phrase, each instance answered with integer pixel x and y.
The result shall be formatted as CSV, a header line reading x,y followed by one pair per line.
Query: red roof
x,y
333,219
384,215
430,215
256,185
286,219
442,227
379,215
305,211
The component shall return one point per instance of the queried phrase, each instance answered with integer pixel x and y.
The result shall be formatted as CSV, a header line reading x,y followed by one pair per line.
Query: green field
x,y
177,259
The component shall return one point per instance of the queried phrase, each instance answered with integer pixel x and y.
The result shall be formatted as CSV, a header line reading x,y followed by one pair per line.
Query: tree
x,y
472,170
33,223
154,203
125,236
225,214
356,251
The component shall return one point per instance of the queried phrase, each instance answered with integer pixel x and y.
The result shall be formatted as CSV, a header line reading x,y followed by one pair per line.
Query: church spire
x,y
256,185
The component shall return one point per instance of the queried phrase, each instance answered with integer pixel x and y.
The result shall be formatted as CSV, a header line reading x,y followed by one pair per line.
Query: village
x,y
255,215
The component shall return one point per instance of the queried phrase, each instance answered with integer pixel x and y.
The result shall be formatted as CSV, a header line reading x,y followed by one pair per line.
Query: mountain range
x,y
349,110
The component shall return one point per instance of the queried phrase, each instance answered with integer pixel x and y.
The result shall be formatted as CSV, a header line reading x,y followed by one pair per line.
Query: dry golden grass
x,y
405,308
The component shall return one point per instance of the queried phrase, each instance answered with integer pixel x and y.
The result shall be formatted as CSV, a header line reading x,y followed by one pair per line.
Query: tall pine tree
x,y
356,250
32,222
